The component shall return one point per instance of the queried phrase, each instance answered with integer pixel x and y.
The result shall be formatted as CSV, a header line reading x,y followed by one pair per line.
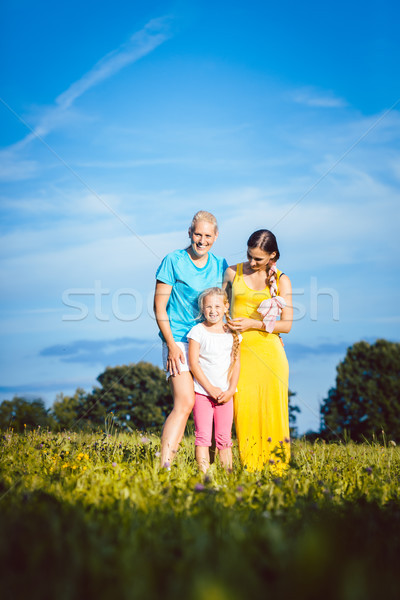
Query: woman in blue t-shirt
x,y
181,277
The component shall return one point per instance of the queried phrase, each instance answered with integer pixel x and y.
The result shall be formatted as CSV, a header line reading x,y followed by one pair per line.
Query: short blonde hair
x,y
203,215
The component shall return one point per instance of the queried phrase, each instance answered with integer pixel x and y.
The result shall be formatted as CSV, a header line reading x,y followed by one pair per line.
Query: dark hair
x,y
265,240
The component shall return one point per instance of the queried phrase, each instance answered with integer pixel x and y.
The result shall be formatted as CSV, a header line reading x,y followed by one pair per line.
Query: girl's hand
x,y
241,324
175,358
214,392
224,397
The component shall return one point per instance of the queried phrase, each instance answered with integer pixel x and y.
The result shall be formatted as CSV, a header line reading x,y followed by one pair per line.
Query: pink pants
x,y
205,411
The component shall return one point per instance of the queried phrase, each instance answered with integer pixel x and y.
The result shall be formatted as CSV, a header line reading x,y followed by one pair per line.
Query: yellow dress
x,y
261,401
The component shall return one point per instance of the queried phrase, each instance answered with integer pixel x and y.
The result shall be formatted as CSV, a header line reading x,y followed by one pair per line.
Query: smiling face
x,y
258,259
214,308
202,237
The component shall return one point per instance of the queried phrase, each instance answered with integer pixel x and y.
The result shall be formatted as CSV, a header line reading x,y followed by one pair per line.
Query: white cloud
x,y
314,98
12,169
140,44
69,238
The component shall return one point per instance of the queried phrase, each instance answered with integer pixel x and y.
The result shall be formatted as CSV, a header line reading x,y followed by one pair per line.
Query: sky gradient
x,y
119,123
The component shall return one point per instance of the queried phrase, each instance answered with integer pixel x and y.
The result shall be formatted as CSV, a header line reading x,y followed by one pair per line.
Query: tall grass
x,y
93,516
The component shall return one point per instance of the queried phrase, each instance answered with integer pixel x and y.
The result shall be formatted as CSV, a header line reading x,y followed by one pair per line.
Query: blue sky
x,y
119,122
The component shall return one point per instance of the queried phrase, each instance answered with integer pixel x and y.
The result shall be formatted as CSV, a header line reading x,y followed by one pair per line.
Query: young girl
x,y
214,363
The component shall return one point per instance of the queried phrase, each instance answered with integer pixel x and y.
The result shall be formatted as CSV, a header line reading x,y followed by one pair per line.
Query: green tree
x,y
138,395
293,409
67,410
366,399
19,413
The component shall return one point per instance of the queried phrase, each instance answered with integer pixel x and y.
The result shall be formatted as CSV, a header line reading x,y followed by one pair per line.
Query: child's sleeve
x,y
195,334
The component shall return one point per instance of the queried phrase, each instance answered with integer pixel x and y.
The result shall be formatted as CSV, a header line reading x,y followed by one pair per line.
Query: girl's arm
x,y
283,325
175,354
227,395
197,371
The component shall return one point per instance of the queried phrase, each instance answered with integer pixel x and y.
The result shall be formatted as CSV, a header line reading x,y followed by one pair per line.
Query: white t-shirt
x,y
214,356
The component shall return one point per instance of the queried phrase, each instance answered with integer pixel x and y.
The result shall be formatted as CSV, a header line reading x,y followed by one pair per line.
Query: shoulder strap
x,y
278,279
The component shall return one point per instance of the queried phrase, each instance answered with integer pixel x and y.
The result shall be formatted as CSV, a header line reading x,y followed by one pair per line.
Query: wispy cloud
x,y
105,352
139,45
300,351
12,170
297,351
312,97
39,389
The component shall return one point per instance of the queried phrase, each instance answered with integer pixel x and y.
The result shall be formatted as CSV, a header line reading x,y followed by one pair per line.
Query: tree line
x,y
364,402
130,397
134,396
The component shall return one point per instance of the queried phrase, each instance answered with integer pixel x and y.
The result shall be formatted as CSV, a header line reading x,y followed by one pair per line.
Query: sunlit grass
x,y
87,515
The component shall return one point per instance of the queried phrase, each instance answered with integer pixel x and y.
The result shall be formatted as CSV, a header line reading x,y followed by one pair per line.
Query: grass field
x,y
92,516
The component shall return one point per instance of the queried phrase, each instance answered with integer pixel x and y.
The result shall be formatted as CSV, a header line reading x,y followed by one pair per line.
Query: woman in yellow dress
x,y
261,402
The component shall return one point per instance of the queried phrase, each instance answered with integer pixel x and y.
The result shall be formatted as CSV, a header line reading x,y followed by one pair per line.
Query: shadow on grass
x,y
50,549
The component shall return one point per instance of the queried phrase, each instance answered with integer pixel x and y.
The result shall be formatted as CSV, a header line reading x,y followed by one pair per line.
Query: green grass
x,y
92,516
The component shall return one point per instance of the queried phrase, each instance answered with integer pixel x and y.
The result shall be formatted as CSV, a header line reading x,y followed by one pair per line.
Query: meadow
x,y
91,515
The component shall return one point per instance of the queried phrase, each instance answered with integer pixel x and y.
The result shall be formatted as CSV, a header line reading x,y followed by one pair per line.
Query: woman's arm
x,y
229,276
283,325
198,373
175,354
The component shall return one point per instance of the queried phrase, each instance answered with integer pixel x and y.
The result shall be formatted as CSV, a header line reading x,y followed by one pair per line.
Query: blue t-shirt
x,y
188,281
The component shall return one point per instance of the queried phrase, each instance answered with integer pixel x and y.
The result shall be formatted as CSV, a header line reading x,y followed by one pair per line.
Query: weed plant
x,y
93,516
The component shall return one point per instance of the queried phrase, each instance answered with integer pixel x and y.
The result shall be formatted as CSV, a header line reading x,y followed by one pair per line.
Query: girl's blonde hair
x,y
216,291
203,215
